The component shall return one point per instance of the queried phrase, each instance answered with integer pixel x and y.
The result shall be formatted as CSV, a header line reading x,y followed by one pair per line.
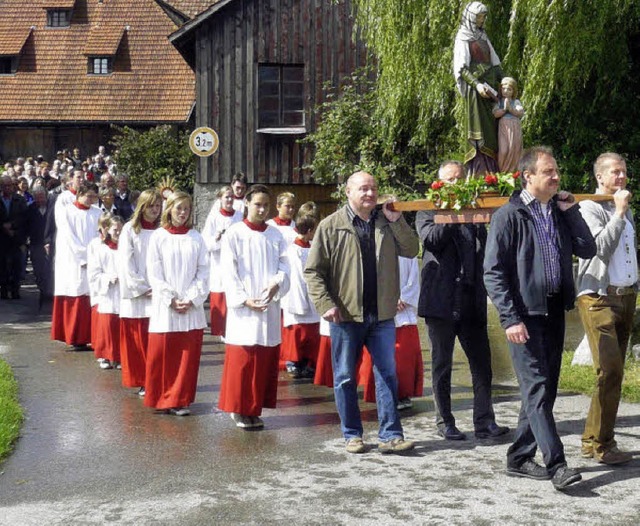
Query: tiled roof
x,y
11,42
150,81
62,4
190,7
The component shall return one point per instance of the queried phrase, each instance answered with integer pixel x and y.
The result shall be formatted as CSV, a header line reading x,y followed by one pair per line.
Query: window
x,y
280,96
58,17
8,65
99,65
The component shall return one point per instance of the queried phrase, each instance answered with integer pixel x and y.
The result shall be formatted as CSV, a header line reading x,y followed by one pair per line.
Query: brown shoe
x,y
613,456
395,445
587,450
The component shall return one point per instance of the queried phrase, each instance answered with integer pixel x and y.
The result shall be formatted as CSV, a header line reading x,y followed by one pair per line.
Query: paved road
x,y
90,453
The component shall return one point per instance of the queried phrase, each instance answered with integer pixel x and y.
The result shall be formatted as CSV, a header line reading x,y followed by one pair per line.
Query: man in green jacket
x,y
352,278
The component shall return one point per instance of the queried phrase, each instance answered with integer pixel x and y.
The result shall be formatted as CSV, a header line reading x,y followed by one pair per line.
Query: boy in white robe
x,y
286,206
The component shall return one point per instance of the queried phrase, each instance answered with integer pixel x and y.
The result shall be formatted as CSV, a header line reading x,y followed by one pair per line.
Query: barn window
x,y
58,17
280,96
8,65
99,65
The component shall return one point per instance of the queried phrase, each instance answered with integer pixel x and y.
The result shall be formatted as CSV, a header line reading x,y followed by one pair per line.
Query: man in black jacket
x,y
528,275
453,303
13,238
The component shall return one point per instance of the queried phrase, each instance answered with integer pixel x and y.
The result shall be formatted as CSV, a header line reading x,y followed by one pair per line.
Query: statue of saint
x,y
476,68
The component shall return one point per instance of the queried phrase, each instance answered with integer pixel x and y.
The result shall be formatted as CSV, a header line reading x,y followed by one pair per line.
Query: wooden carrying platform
x,y
481,214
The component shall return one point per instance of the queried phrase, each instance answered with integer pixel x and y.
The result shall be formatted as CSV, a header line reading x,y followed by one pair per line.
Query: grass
x,y
10,410
581,378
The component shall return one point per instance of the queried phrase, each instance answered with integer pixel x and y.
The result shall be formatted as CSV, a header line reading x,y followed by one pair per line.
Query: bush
x,y
149,156
10,410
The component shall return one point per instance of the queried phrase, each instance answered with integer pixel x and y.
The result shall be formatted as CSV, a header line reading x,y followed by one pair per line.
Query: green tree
x,y
151,155
577,63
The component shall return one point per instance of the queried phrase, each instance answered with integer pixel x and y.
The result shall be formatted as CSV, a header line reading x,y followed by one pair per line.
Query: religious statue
x,y
476,68
508,110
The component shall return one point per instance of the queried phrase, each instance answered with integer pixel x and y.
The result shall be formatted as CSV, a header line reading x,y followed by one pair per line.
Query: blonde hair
x,y
284,196
147,198
110,222
223,191
174,199
512,83
103,224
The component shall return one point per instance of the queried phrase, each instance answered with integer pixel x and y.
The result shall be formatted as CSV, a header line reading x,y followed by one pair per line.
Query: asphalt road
x,y
90,453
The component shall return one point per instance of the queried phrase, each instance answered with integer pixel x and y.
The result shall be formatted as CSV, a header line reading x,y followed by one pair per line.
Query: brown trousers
x,y
607,320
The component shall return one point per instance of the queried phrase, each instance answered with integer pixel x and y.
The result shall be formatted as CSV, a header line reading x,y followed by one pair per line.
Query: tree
x,y
149,156
577,63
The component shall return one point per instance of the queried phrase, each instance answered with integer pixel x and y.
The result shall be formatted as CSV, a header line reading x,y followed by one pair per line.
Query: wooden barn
x,y
260,68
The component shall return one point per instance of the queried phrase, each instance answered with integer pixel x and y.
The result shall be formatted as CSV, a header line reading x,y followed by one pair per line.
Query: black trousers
x,y
474,340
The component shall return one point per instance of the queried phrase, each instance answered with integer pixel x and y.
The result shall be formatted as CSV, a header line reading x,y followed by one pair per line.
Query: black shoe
x,y
4,293
451,433
529,469
15,294
491,431
80,348
565,476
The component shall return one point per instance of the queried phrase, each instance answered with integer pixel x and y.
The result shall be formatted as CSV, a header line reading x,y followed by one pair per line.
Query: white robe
x,y
102,270
76,229
92,249
216,222
409,291
287,231
325,328
252,261
178,267
296,305
132,272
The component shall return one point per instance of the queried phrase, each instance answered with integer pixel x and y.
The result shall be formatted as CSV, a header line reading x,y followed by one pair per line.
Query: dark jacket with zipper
x,y
451,285
514,273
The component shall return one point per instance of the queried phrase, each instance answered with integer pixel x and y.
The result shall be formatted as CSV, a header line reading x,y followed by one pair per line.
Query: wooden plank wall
x,y
229,47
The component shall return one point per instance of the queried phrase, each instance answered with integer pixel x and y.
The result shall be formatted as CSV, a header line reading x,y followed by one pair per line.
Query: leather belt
x,y
620,291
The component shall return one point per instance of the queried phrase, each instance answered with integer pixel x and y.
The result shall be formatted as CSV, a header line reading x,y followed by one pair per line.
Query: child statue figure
x,y
508,110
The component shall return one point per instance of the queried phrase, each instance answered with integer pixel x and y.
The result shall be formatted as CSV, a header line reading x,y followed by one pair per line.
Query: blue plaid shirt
x,y
547,235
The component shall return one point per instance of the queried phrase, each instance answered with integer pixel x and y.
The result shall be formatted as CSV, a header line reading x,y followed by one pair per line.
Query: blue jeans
x,y
347,340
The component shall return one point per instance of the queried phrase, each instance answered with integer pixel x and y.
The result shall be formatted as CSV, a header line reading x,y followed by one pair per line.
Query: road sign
x,y
203,141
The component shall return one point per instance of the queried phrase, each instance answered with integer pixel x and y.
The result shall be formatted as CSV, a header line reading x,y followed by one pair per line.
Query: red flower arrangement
x,y
463,194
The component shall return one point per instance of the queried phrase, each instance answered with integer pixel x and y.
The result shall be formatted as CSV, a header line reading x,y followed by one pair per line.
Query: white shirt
x,y
623,266
297,307
178,267
252,261
132,272
217,222
409,291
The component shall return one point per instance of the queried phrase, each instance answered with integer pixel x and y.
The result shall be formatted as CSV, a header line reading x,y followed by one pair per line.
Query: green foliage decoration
x,y
151,155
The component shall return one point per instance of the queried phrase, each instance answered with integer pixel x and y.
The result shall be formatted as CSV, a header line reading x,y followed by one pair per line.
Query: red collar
x,y
148,225
302,243
73,190
111,244
238,198
254,226
177,229
80,206
282,222
227,214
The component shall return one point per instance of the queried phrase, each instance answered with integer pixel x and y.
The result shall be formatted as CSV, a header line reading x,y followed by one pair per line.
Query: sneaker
x,y
612,456
179,411
565,476
104,363
529,469
117,365
404,403
355,445
308,372
395,445
294,372
256,422
493,430
241,421
141,392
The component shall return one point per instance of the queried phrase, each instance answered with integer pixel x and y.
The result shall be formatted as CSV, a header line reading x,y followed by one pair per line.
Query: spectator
x,y
13,236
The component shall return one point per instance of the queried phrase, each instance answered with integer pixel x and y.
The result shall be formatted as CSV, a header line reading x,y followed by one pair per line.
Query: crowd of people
x,y
337,300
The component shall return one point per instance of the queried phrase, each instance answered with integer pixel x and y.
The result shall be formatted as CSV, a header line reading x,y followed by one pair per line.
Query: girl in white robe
x,y
135,289
218,222
256,271
286,206
178,271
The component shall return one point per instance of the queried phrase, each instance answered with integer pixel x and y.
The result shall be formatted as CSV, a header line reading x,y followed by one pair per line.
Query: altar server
x,y
254,262
218,221
135,289
77,226
286,206
178,271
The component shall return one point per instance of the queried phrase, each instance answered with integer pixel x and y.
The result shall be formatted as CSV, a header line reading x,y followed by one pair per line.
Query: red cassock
x,y
173,360
71,320
299,342
249,379
218,312
107,341
409,366
324,369
134,338
94,317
